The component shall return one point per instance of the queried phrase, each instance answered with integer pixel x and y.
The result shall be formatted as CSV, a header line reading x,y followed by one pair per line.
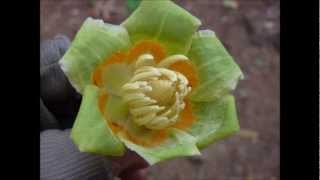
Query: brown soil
x,y
250,31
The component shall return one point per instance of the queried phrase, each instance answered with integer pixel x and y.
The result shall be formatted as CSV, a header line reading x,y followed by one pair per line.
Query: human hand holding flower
x,y
59,103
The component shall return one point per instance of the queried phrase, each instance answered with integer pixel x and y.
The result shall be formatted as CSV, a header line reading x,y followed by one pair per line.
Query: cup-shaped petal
x,y
90,131
165,22
95,42
217,71
214,120
178,144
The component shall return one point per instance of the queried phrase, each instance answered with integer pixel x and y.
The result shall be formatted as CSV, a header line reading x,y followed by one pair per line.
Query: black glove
x,y
56,93
59,103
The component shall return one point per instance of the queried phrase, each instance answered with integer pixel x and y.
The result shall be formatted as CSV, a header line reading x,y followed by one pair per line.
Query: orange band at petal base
x,y
102,101
188,70
147,46
118,57
186,118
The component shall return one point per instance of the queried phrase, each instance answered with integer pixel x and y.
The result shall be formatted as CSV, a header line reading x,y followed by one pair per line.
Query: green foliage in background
x,y
132,5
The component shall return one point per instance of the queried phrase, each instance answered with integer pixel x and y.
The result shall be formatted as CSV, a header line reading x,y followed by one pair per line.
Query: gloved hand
x,y
59,103
56,93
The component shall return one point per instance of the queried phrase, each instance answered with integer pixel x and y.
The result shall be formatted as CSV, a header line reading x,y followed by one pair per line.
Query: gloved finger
x,y
129,163
134,175
53,50
55,89
61,159
47,119
54,84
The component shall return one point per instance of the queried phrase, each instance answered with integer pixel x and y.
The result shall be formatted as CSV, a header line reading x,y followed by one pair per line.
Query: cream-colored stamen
x,y
155,95
145,60
171,60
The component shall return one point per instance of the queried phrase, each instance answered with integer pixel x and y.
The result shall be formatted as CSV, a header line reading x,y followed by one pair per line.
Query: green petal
x,y
165,22
90,131
178,144
94,42
218,73
115,76
215,120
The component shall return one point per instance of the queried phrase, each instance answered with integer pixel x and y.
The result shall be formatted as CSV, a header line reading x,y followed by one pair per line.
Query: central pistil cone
x,y
155,94
162,91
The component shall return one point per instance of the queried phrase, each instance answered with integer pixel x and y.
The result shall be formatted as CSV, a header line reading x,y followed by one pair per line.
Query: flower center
x,y
155,93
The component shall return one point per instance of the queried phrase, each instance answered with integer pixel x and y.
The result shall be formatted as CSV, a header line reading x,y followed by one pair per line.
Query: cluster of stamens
x,y
155,94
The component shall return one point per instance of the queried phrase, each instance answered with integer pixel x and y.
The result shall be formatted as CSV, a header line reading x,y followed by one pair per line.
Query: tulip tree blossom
x,y
154,84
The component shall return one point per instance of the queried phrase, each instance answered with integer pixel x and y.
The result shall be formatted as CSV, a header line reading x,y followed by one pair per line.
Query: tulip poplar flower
x,y
154,84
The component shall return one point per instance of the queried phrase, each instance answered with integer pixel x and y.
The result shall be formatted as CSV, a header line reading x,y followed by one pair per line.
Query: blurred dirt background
x,y
250,31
